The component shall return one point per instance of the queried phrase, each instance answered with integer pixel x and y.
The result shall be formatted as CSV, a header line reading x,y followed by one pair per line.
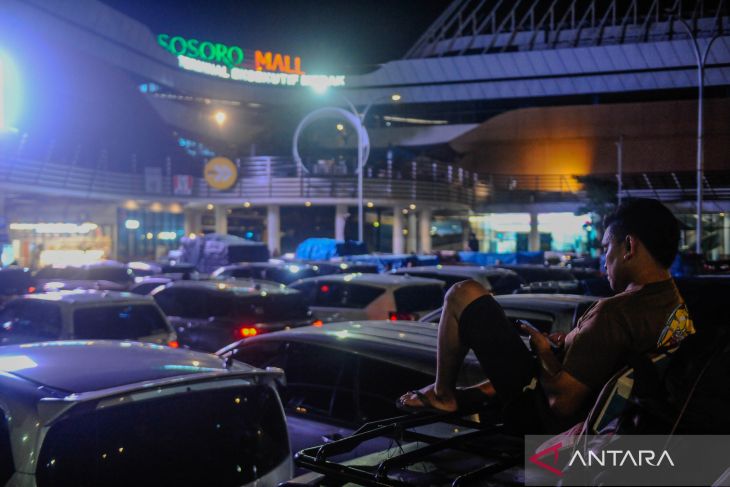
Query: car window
x,y
15,281
114,274
145,287
346,295
319,380
504,284
118,322
286,275
6,452
223,437
29,320
239,273
273,307
418,298
181,302
449,279
377,396
59,273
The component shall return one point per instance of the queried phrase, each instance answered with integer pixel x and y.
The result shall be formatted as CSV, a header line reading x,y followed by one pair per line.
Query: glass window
x,y
273,307
25,321
114,274
346,295
119,322
223,437
286,275
418,298
6,452
504,284
381,384
183,303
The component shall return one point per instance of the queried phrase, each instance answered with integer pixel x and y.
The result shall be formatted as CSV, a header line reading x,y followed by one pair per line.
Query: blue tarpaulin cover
x,y
326,248
492,258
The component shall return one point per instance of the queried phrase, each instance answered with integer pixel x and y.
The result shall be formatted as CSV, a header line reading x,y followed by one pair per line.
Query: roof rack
x,y
427,449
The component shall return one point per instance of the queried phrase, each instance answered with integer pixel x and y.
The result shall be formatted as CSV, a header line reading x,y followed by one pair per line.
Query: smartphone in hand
x,y
526,323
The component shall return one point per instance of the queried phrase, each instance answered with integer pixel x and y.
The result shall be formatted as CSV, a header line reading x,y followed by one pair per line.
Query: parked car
x,y
15,281
148,284
340,375
156,269
277,272
538,273
496,279
118,413
107,275
340,297
548,312
591,286
208,315
83,314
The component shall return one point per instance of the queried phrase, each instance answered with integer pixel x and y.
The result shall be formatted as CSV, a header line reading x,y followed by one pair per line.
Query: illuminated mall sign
x,y
235,63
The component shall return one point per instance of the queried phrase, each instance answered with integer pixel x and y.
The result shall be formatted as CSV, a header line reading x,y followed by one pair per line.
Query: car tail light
x,y
173,344
248,331
396,316
317,323
31,289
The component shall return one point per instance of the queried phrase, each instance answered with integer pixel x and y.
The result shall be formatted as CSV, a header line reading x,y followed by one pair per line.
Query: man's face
x,y
615,263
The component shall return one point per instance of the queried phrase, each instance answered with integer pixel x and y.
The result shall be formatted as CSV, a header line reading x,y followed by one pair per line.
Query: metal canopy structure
x,y
470,27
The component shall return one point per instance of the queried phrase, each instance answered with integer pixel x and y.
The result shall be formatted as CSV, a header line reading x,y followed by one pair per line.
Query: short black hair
x,y
649,221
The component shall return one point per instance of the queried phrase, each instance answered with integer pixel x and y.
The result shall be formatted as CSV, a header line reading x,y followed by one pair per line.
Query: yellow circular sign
x,y
221,173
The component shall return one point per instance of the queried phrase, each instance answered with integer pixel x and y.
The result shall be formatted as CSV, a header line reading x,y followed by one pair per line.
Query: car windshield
x,y
119,322
273,307
418,298
222,437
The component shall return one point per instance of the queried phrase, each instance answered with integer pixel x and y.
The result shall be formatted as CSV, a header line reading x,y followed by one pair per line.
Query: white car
x,y
343,297
84,314
495,279
105,413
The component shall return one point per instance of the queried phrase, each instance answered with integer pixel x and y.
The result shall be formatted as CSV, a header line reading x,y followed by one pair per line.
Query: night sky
x,y
331,36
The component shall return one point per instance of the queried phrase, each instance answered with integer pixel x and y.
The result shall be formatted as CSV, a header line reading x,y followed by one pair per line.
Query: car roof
x,y
239,287
408,343
384,280
544,301
88,296
93,365
463,270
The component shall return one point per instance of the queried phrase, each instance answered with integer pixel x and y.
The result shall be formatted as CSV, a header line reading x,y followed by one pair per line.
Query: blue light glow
x,y
10,93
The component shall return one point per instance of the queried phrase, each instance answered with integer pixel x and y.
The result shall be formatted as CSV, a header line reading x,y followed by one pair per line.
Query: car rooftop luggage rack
x,y
482,450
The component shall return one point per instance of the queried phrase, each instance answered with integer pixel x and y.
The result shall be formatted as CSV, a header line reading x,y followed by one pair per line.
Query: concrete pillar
x,y
193,223
534,241
412,232
397,230
273,232
424,230
340,220
726,234
221,219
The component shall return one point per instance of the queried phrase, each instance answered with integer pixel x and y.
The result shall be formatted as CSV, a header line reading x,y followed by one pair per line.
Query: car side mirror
x,y
281,379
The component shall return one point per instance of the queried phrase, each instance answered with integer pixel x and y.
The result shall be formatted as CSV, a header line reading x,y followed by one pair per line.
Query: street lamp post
x,y
357,120
701,58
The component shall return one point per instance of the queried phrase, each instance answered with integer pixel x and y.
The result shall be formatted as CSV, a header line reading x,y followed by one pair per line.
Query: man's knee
x,y
462,294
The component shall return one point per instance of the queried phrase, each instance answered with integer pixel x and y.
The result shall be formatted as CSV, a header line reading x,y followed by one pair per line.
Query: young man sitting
x,y
555,389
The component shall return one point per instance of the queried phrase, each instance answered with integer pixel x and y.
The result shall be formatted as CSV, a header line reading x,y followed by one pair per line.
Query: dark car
x,y
117,413
108,275
277,272
15,281
340,375
495,279
548,312
538,273
209,315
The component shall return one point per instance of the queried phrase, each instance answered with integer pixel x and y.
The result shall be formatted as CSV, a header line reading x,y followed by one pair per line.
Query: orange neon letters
x,y
278,63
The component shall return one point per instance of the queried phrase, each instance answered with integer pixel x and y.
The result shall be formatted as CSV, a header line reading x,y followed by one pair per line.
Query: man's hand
x,y
538,341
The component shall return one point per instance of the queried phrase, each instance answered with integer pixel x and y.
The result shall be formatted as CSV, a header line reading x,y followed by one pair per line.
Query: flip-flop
x,y
426,405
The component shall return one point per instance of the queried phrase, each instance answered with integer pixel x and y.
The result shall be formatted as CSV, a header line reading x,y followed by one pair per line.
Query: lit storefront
x,y
60,243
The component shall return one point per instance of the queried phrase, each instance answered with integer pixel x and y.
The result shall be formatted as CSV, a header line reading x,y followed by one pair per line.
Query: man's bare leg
x,y
450,351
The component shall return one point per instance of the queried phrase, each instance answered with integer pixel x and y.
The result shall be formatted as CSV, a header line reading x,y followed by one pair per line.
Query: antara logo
x,y
605,458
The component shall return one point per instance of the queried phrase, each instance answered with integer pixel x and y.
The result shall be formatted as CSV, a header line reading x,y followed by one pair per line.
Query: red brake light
x,y
173,344
31,289
396,316
317,323
248,331
324,288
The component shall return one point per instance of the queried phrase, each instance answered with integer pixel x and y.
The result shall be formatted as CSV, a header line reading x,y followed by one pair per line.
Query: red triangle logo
x,y
554,450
